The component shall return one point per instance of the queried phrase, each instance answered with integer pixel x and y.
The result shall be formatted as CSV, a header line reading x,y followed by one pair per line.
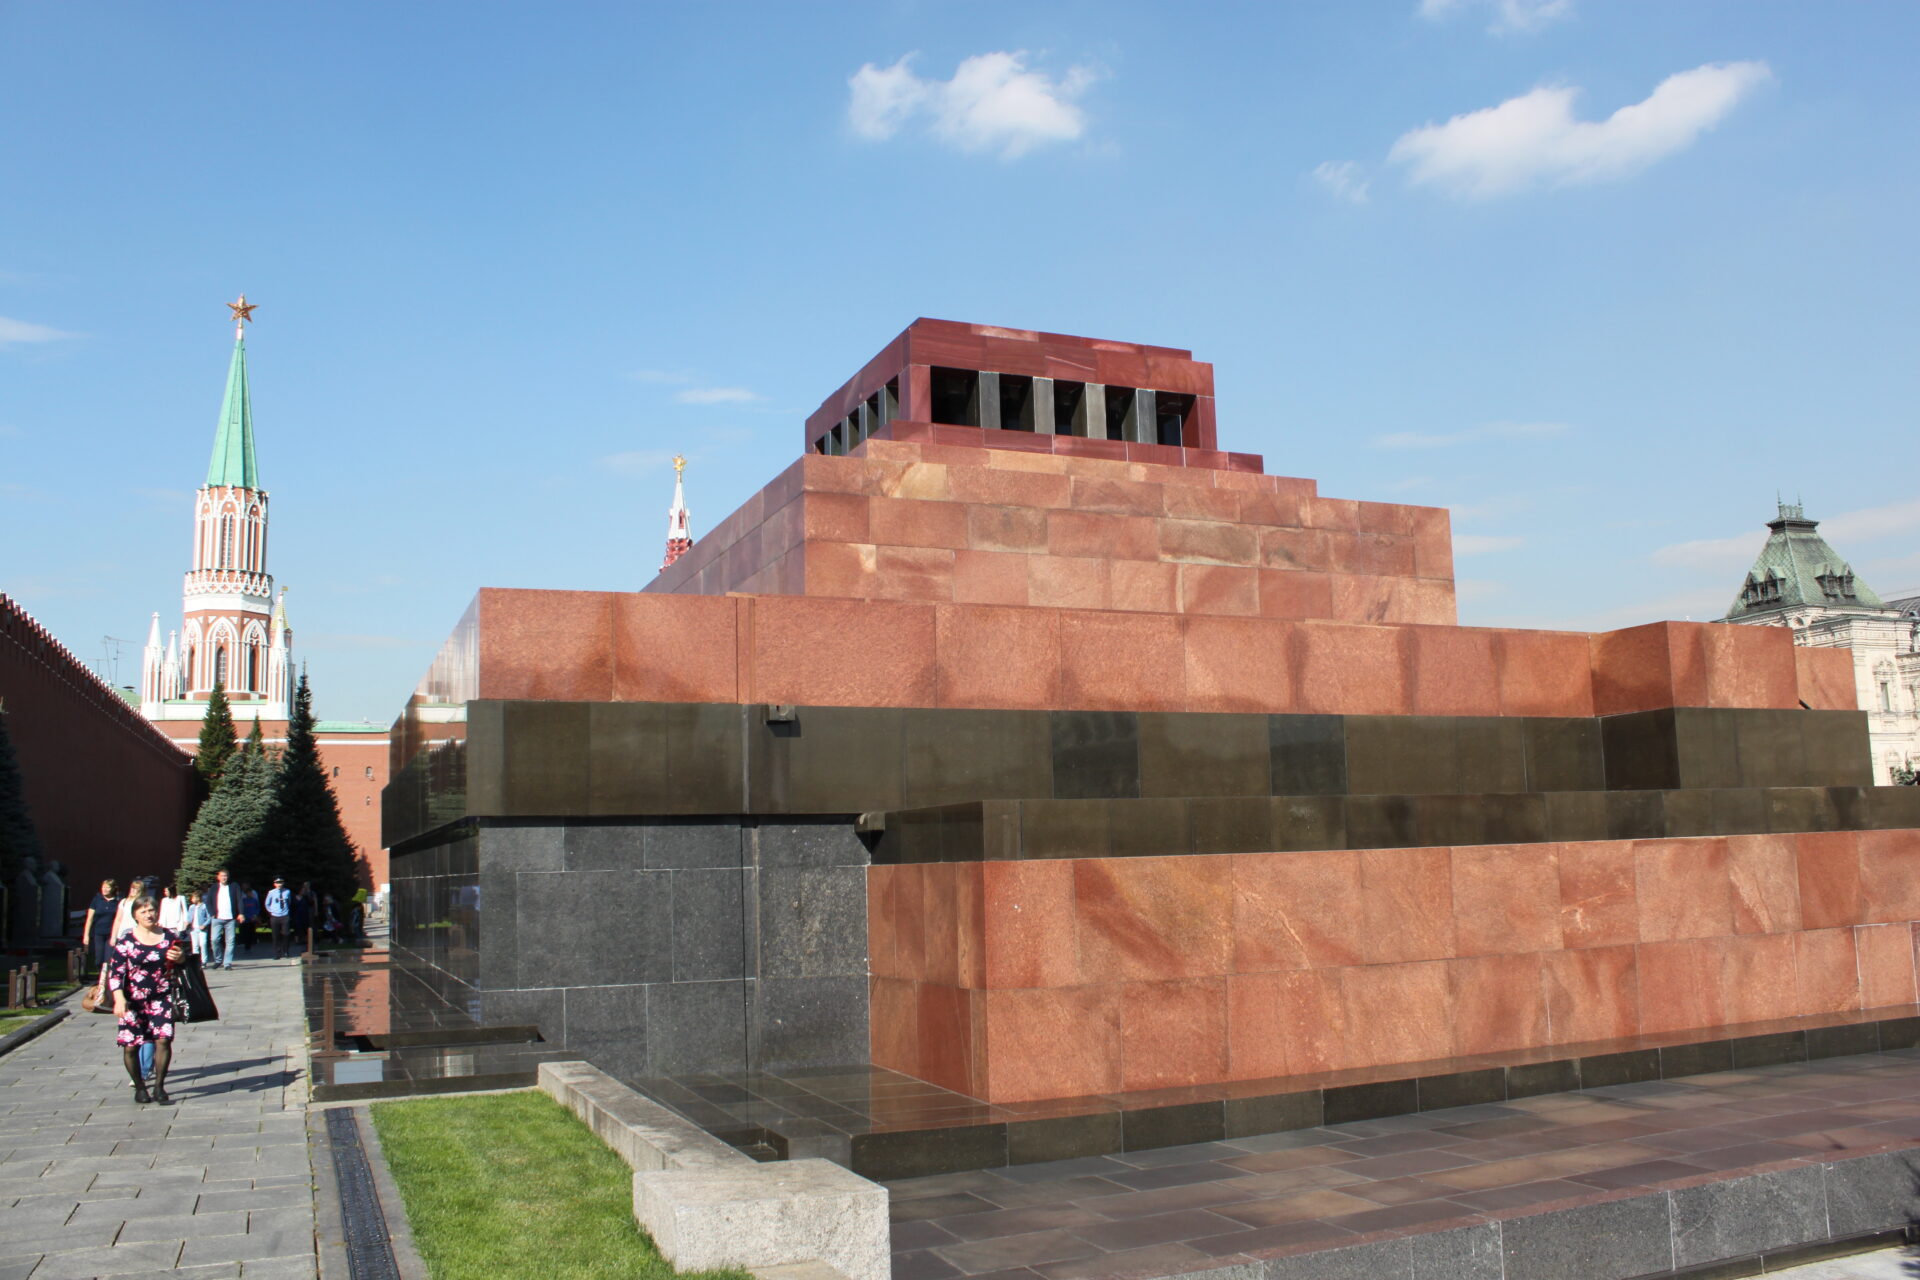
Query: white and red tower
x,y
679,537
234,633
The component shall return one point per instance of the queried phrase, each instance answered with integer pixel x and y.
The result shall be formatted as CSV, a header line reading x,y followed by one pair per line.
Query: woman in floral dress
x,y
140,975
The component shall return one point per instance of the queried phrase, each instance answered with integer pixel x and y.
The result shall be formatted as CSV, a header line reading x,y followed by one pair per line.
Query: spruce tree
x,y
18,839
217,739
228,828
304,839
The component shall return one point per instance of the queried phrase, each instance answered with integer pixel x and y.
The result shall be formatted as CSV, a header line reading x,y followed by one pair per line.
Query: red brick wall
x,y
110,795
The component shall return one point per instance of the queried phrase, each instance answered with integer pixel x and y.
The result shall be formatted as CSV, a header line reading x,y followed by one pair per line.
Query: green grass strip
x,y
512,1184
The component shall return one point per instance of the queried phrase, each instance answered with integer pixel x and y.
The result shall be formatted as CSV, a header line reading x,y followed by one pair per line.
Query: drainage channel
x,y
364,1225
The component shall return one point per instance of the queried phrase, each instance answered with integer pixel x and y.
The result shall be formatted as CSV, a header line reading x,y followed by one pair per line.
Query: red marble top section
x,y
926,344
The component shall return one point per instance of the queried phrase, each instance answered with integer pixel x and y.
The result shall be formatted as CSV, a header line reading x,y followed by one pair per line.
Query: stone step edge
x,y
1769,1215
708,1206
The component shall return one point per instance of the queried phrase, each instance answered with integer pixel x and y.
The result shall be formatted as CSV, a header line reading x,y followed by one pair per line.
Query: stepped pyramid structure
x,y
1045,778
1799,582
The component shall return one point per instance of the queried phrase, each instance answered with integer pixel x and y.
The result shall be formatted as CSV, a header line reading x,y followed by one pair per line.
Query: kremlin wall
x,y
1094,767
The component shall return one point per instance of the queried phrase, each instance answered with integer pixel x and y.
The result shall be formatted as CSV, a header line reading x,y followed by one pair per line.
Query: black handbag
x,y
192,1000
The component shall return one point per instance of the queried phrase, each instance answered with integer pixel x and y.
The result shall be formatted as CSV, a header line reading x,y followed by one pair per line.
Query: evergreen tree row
x,y
266,816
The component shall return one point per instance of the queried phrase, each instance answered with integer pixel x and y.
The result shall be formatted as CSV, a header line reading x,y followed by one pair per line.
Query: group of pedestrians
x,y
139,941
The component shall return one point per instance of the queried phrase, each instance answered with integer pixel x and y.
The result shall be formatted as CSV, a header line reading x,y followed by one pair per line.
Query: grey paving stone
x,y
231,1223
20,1242
259,1198
134,1259
249,1247
279,1269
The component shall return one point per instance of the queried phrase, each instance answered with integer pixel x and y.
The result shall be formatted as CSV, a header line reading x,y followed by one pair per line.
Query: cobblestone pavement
x,y
217,1185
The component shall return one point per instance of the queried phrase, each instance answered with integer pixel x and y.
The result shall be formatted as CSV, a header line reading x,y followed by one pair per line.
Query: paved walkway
x,y
216,1186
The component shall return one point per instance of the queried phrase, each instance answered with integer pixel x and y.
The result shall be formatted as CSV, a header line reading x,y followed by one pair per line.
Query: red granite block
x,y
1385,517
1598,903
909,922
1208,542
893,1024
1681,984
1219,589
1278,509
1211,459
1143,586
995,487
1170,373
1093,533
1632,670
946,1037
1330,513
1364,598
800,653
1295,549
1687,663
1192,502
909,522
1022,529
1889,874
832,517
1173,1033
1830,888
1684,888
881,938
1397,1012
1296,911
1291,593
1352,670
1750,666
927,479
1453,672
1051,1042
1544,673
1758,977
1081,447
840,568
940,924
1506,898
1591,994
1825,678
1153,918
1285,1023
1828,967
1364,552
1886,964
674,648
821,473
1112,661
1432,542
1765,875
989,577
997,657
913,573
1499,1003
1406,901
1068,582
555,646
970,923
1040,458
1234,664
1028,923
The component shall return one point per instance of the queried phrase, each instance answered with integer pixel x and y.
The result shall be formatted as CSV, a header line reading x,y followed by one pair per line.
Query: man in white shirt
x,y
279,908
223,901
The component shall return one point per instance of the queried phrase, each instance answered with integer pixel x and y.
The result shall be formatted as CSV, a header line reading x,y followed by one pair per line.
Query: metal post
x,y
326,1015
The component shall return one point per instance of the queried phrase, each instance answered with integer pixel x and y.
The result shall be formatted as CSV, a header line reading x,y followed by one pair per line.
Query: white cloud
x,y
1509,16
1487,431
1475,544
659,376
12,331
1411,482
1871,522
1343,179
1534,140
1711,554
715,395
637,461
994,102
1465,589
1729,556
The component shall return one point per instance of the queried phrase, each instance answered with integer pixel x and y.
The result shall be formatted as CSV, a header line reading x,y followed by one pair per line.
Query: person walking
x,y
199,921
303,918
173,911
97,930
227,910
250,917
279,906
140,975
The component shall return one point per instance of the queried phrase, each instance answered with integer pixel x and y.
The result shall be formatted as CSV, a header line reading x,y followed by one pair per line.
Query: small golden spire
x,y
679,464
242,310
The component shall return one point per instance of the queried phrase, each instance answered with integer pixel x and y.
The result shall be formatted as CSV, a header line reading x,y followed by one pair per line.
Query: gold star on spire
x,y
242,310
679,464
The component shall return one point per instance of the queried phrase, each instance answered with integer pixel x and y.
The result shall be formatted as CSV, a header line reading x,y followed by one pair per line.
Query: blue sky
x,y
1601,277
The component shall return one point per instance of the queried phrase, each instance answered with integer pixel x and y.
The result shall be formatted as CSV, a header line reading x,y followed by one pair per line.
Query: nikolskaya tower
x,y
234,631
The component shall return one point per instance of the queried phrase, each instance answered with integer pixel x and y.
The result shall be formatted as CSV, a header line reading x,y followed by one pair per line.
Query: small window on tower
x,y
336,771
369,771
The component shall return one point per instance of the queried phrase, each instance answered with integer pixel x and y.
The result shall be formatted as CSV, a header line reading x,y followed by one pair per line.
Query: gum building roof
x,y
1797,569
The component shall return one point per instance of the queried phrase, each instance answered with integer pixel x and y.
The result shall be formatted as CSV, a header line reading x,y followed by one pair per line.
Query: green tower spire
x,y
233,461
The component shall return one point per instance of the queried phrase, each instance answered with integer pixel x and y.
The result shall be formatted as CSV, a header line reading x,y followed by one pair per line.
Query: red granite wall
x,y
1013,981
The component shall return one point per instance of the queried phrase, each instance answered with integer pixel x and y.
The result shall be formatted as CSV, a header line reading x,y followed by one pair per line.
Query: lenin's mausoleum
x,y
1020,740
